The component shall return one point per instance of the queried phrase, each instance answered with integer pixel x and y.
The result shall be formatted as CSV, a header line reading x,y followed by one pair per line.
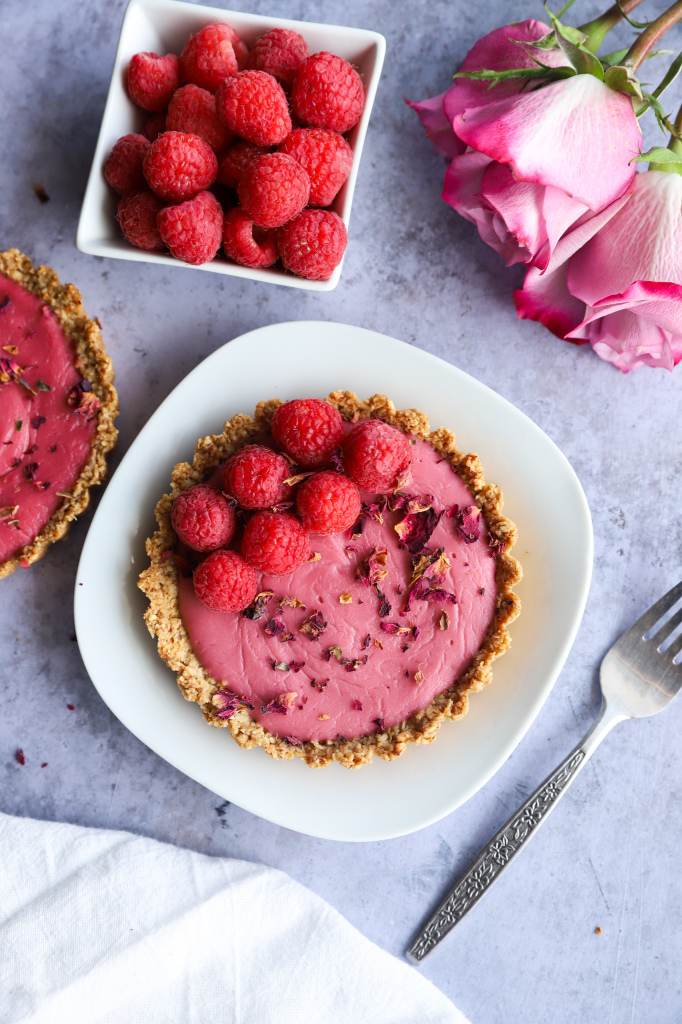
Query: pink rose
x,y
618,284
538,161
498,51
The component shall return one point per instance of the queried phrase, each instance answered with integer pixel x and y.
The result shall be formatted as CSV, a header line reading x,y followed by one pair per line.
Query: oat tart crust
x,y
159,583
95,365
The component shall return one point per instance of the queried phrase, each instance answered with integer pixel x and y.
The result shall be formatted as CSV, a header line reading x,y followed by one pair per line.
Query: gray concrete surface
x,y
609,856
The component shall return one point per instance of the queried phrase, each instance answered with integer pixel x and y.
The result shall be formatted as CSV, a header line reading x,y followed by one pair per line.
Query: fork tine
x,y
674,650
650,618
670,626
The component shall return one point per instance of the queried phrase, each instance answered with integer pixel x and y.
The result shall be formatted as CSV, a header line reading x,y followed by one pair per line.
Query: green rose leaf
x,y
622,79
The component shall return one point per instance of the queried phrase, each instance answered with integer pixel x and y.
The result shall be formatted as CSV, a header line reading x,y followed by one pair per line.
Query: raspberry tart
x,y
345,609
57,409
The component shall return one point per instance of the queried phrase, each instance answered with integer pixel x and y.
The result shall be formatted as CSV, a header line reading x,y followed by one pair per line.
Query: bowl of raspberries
x,y
231,142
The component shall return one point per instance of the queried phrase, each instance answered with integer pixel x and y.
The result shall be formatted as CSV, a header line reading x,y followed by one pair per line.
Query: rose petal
x,y
438,128
576,134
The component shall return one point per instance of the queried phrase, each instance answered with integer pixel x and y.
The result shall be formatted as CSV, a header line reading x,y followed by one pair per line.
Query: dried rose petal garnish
x,y
379,722
11,371
85,401
374,511
373,569
333,652
290,602
274,627
228,703
394,629
415,528
422,591
280,704
293,742
256,609
314,626
319,684
357,705
467,521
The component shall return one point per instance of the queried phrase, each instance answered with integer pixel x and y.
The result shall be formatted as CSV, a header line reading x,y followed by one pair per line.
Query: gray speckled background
x,y
609,856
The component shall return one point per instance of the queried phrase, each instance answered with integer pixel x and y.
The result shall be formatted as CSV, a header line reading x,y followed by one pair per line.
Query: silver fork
x,y
637,680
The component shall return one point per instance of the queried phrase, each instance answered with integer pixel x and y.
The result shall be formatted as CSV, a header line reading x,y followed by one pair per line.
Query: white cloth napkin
x,y
108,927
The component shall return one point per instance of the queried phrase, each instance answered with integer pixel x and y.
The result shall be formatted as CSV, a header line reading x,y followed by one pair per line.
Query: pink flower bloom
x,y
538,160
546,159
621,288
499,51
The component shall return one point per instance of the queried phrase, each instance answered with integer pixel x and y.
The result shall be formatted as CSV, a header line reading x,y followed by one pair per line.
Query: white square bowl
x,y
164,26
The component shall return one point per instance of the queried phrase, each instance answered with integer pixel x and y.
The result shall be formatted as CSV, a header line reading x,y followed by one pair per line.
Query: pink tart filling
x,y
372,651
47,419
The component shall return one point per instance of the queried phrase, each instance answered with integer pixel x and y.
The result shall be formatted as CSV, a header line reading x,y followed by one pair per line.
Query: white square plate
x,y
542,495
164,26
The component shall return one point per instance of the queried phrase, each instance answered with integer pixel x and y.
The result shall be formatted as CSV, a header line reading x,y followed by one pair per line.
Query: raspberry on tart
x,y
255,477
276,543
223,582
57,409
374,454
375,639
328,503
203,518
309,429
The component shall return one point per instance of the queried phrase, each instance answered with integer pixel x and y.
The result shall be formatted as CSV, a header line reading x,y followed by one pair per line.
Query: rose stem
x,y
597,29
650,36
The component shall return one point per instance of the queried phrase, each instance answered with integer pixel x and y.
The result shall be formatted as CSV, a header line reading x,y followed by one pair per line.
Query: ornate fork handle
x,y
510,839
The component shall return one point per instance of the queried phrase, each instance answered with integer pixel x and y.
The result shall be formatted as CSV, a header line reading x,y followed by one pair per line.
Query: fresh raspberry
x,y
137,217
233,163
154,126
178,166
152,80
255,477
327,93
313,244
273,189
209,59
123,169
252,104
246,243
241,50
275,543
327,158
192,230
203,518
279,52
328,503
308,429
225,583
193,110
374,454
